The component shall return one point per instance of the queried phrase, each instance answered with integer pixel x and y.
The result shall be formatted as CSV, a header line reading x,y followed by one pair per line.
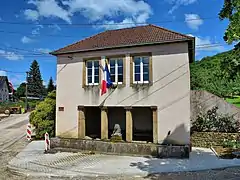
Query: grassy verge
x,y
235,101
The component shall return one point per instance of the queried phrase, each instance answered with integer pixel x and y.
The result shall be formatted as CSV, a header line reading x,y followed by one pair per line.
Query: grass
x,y
235,101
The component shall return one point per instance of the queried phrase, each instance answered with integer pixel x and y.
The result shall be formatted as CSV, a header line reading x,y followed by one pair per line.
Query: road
x,y
12,129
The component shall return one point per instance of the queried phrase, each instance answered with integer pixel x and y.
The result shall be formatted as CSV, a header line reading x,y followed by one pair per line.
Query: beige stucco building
x,y
149,66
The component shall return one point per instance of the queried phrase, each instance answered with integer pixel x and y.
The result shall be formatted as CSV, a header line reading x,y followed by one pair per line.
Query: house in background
x,y
4,89
151,102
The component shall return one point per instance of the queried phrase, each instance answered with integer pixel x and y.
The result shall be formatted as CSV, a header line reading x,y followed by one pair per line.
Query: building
x,y
150,67
4,89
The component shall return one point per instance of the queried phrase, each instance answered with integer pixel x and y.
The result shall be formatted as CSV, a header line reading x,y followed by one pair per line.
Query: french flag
x,y
106,82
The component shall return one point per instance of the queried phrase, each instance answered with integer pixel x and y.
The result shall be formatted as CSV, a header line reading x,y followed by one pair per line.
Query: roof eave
x,y
55,53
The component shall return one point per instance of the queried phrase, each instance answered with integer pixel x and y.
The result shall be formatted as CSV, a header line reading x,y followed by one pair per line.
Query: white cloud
x,y
36,31
207,44
26,40
43,50
3,73
131,11
49,9
55,27
193,21
177,3
31,14
10,55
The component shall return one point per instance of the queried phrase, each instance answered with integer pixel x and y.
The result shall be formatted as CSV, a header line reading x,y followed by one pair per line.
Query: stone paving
x,y
32,161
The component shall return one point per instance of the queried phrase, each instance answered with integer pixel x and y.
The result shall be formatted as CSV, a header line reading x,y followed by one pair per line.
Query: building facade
x,y
4,89
151,97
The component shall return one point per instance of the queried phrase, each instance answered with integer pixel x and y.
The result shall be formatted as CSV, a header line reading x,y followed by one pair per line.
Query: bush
x,y
43,117
213,122
231,144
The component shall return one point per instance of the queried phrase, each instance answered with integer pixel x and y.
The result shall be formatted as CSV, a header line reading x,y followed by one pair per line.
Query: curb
x,y
213,150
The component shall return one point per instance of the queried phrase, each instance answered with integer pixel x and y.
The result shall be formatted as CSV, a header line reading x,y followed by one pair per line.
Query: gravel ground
x,y
220,174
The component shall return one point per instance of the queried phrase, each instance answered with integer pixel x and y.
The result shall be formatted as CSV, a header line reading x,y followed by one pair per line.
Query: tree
x,y
50,86
35,82
231,11
21,90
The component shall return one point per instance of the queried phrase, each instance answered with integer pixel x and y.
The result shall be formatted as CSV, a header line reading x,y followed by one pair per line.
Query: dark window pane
x,y
145,77
89,64
113,77
96,71
120,62
137,69
89,71
137,60
120,78
96,79
112,62
145,69
120,70
112,70
137,77
145,60
89,79
96,63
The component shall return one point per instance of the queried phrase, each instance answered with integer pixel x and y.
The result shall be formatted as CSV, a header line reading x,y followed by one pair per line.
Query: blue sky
x,y
29,29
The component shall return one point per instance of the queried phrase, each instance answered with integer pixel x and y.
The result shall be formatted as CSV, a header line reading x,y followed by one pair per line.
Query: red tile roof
x,y
140,35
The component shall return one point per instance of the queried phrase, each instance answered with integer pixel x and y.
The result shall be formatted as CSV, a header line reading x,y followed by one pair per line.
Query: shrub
x,y
213,122
43,117
231,144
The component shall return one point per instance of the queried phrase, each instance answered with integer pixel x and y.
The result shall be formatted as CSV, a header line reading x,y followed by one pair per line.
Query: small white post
x,y
47,142
29,132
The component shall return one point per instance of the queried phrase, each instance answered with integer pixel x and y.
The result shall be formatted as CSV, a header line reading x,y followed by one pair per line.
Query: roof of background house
x,y
135,36
2,80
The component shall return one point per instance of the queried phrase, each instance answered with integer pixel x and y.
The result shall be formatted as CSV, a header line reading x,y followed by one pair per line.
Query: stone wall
x,y
122,148
203,100
208,139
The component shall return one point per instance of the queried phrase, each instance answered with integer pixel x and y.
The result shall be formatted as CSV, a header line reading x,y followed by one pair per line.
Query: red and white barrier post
x,y
47,142
29,132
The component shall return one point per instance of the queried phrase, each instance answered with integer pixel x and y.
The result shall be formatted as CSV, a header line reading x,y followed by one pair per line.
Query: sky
x,y
30,29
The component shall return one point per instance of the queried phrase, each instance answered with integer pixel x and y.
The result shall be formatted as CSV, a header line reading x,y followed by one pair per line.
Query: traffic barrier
x,y
29,132
47,142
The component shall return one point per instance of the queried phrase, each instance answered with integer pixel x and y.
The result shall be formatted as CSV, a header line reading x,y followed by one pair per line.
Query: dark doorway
x,y
116,115
142,124
93,122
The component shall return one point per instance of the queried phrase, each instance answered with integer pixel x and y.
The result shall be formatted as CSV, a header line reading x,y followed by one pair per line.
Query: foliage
x,y
43,117
35,82
231,144
231,11
215,75
213,122
50,86
21,90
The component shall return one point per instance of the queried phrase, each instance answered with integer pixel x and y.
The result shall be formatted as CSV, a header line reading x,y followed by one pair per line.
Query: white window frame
x,y
116,69
141,70
93,71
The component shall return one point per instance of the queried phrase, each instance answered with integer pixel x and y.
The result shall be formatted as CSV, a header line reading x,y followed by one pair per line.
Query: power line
x,y
108,24
8,71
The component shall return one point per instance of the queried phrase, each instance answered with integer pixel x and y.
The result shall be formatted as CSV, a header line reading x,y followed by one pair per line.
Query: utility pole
x,y
26,92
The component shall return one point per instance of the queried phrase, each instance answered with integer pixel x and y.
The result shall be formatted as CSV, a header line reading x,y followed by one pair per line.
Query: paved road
x,y
12,129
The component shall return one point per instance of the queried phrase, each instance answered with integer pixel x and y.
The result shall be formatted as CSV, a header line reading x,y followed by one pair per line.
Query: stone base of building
x,y
121,148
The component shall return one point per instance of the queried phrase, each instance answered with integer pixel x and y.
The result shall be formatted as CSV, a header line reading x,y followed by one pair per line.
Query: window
x,y
141,69
116,70
92,72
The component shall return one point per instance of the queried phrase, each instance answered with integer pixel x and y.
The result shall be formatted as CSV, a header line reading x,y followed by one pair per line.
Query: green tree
x,y
50,86
231,11
35,82
21,90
